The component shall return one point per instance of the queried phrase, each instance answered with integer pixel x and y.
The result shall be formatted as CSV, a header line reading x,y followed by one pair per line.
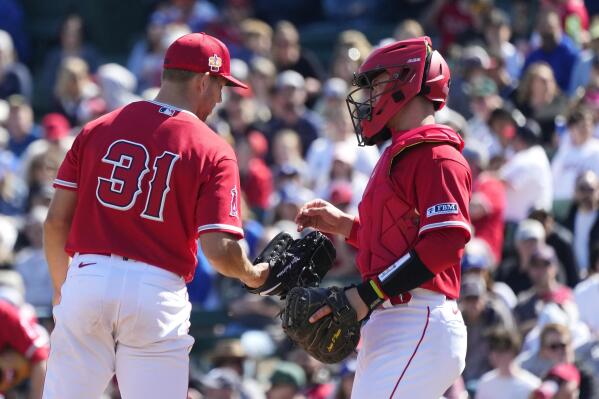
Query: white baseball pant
x,y
122,317
412,350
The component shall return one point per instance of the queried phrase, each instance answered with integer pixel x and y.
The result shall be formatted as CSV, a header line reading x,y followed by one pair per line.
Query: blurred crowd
x,y
524,95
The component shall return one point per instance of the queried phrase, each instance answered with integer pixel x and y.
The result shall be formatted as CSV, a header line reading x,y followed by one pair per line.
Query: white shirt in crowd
x,y
529,183
519,385
586,295
569,162
583,223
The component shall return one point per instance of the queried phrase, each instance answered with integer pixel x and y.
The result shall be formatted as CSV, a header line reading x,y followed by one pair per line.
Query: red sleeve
x,y
443,187
353,235
442,248
21,334
68,173
218,207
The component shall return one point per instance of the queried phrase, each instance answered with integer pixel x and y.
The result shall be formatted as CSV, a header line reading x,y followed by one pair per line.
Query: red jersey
x,y
149,179
417,198
22,333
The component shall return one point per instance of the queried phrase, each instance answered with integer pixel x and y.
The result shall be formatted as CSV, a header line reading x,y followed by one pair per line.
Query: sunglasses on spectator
x,y
556,346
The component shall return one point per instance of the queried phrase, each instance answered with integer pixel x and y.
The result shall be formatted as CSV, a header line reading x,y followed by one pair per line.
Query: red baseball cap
x,y
56,126
201,53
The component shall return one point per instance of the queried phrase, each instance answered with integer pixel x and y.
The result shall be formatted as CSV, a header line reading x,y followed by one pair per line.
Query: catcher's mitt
x,y
14,369
330,339
295,263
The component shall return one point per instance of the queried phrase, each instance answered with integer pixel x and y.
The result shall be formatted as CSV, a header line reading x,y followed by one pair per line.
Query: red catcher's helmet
x,y
414,68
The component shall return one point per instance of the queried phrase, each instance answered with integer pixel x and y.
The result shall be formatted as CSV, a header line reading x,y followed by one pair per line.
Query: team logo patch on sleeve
x,y
234,211
446,208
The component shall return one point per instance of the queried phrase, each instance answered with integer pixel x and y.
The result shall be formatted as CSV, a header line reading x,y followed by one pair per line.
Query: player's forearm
x,y
228,258
38,373
55,238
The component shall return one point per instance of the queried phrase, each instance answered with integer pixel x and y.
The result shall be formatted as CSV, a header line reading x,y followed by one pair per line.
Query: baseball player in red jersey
x,y
411,230
134,193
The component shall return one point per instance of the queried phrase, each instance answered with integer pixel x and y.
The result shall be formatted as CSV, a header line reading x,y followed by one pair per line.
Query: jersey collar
x,y
172,107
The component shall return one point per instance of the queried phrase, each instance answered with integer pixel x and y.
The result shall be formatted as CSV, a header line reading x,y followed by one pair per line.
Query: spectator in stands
x,y
573,15
350,51
20,331
527,174
506,379
542,271
256,177
239,112
257,39
14,76
560,239
478,260
586,295
498,32
31,263
13,190
583,219
318,385
577,153
288,54
8,238
20,125
472,64
289,110
229,354
539,98
72,44
555,347
561,382
513,270
453,20
221,383
346,379
556,48
194,13
117,85
482,92
481,312
146,51
408,29
75,94
262,77
487,203
286,381
581,72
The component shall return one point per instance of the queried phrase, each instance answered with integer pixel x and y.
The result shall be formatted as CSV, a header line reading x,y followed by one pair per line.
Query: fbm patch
x,y
446,208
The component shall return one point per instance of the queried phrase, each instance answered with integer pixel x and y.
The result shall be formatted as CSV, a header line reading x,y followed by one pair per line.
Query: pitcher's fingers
x,y
320,313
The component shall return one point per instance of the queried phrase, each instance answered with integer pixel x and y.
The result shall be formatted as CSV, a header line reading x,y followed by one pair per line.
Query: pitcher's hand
x,y
325,217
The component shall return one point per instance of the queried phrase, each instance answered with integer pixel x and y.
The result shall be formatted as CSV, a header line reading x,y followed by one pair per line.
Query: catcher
x,y
410,233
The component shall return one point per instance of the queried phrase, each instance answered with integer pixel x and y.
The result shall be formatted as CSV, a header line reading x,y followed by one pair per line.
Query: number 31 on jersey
x,y
129,162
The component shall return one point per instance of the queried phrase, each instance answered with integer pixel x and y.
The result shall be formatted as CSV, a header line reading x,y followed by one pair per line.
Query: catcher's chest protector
x,y
389,225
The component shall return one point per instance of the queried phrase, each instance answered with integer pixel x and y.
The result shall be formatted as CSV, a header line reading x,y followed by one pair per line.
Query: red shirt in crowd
x,y
489,192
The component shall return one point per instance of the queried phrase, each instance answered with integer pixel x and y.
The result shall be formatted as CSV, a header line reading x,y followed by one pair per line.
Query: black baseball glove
x,y
295,263
330,339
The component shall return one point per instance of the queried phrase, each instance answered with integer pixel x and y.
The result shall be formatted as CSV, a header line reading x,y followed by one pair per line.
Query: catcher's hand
x,y
14,369
295,263
333,337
